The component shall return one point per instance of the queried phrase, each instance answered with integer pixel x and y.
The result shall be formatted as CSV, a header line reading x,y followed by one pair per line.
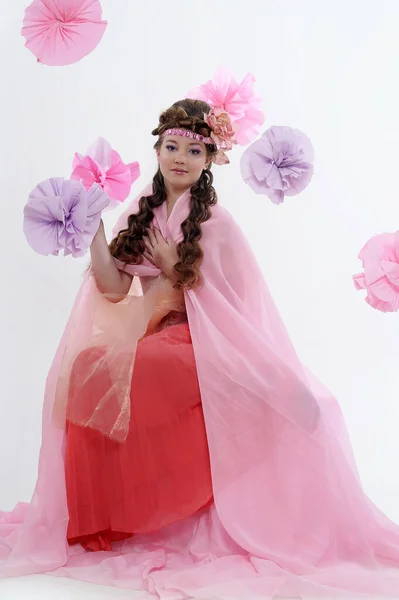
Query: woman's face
x,y
181,161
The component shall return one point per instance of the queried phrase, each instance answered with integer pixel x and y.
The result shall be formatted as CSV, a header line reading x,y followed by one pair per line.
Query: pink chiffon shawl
x,y
290,517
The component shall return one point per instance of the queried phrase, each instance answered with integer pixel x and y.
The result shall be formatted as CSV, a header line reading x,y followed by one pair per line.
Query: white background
x,y
327,68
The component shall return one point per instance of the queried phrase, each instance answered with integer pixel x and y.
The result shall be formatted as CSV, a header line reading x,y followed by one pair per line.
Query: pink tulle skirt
x,y
161,473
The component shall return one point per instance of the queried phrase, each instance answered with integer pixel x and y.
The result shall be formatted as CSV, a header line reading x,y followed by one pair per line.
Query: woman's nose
x,y
180,158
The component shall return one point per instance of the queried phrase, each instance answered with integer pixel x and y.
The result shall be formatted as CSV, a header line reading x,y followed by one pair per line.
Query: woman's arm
x,y
168,267
109,279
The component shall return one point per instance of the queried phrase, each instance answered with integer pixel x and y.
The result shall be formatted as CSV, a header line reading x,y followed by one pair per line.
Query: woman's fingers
x,y
155,235
151,237
148,243
148,256
153,243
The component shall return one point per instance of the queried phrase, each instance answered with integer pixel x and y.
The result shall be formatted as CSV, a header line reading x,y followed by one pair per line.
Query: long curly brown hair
x,y
128,246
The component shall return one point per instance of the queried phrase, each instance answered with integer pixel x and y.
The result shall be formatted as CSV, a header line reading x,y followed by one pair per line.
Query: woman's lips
x,y
179,171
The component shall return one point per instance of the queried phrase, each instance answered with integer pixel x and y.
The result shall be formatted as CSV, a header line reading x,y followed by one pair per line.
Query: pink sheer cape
x,y
290,516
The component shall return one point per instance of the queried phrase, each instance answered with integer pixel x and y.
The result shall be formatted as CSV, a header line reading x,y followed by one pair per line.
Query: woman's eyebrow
x,y
190,144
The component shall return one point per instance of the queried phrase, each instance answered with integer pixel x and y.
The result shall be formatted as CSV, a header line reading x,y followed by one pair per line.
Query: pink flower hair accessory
x,y
380,257
222,133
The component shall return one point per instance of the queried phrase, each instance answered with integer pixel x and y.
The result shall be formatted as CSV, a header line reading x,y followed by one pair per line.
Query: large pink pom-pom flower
x,y
237,99
61,215
61,32
380,257
103,165
279,164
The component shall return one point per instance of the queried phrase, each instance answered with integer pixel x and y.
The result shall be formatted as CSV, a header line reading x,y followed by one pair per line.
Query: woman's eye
x,y
194,151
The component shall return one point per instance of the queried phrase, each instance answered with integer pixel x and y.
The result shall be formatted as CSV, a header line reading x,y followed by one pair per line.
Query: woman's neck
x,y
172,197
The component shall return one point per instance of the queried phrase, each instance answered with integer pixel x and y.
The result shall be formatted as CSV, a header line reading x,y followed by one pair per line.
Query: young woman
x,y
161,473
182,435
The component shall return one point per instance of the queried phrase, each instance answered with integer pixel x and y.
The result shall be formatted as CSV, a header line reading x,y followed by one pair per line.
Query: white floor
x,y
44,587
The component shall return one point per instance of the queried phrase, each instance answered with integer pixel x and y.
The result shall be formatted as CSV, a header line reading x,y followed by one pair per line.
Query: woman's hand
x,y
160,252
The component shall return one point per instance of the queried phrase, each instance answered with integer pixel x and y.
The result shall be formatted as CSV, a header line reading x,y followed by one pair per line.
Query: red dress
x,y
161,473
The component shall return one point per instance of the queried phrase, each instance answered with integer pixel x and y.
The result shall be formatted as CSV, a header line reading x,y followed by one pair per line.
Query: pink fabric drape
x,y
290,516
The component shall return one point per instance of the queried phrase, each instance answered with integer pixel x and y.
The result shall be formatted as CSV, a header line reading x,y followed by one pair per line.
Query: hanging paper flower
x,y
103,165
61,32
380,257
237,99
61,215
279,164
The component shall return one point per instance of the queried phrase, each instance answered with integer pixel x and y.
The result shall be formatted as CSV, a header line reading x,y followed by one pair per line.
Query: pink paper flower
x,y
237,99
61,32
104,166
279,164
380,257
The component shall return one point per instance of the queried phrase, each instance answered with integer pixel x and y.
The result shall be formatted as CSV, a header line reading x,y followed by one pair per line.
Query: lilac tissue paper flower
x,y
279,163
62,215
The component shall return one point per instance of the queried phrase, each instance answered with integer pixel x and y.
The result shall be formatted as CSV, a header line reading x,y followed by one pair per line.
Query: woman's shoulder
x,y
220,214
221,220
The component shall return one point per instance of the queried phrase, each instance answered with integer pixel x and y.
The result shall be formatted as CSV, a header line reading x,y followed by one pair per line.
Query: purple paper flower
x,y
279,164
61,215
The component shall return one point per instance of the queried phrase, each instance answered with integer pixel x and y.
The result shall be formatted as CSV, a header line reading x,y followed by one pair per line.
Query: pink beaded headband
x,y
190,134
